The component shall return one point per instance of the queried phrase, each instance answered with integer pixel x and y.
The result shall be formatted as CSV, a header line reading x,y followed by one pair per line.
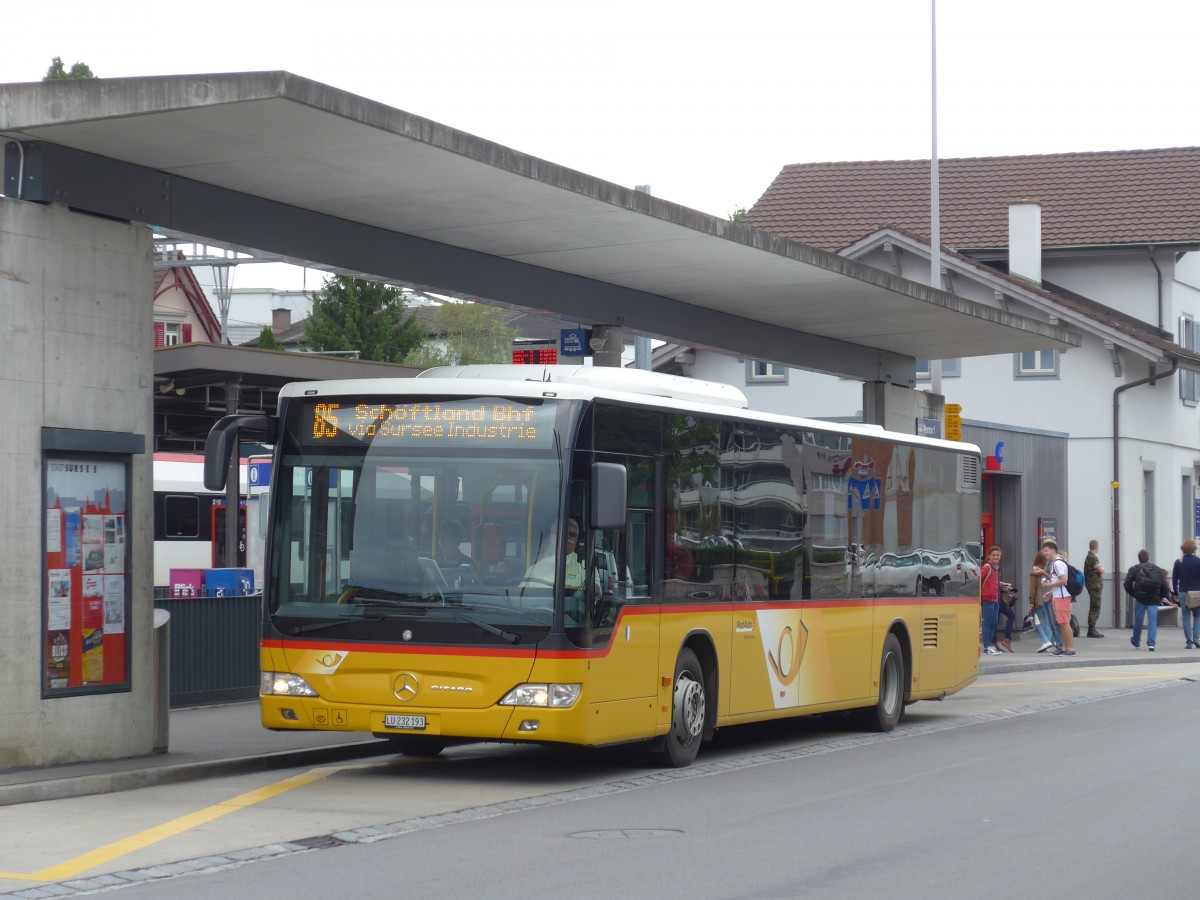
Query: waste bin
x,y
162,679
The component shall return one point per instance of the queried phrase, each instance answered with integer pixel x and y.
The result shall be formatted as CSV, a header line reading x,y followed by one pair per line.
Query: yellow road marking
x,y
80,864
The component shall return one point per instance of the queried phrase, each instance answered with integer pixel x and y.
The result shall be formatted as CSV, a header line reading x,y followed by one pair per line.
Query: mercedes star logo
x,y
405,686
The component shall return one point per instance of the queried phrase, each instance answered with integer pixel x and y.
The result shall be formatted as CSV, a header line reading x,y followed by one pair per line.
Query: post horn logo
x,y
794,643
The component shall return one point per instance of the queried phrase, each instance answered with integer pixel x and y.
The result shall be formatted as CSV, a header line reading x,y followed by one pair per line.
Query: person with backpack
x,y
1054,590
1043,615
1146,583
1185,589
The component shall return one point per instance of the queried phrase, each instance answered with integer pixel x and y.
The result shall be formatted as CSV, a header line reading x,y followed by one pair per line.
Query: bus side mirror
x,y
608,495
222,441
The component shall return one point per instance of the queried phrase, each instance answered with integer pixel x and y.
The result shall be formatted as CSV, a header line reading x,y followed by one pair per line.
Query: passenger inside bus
x,y
448,551
457,569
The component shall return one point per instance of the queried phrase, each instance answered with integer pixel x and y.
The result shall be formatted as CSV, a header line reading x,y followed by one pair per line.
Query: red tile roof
x,y
1088,199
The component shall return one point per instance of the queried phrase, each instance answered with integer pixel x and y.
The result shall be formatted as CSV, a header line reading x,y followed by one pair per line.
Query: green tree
x,y
266,339
58,72
738,214
467,334
352,314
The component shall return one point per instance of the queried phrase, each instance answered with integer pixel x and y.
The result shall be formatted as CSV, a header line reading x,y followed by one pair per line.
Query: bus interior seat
x,y
489,544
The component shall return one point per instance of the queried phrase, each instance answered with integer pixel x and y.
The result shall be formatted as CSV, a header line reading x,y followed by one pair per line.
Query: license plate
x,y
408,722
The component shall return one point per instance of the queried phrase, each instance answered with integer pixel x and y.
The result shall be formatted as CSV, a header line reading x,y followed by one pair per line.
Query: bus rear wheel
x,y
689,709
886,712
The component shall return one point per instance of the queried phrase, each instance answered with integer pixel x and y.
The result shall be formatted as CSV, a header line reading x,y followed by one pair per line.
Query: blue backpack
x,y
1074,583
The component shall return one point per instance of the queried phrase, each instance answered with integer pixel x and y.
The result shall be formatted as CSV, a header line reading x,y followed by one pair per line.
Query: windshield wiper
x,y
321,626
389,603
486,626
371,596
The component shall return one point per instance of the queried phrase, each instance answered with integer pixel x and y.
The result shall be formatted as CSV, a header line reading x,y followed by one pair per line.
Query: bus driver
x,y
541,573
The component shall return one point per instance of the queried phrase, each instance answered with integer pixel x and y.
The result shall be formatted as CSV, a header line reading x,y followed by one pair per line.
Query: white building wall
x,y
254,306
810,394
75,321
1125,281
1187,270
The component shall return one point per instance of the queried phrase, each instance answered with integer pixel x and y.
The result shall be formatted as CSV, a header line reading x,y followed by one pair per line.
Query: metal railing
x,y
213,648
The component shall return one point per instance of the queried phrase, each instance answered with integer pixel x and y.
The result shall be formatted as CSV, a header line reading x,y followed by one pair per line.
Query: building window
x,y
760,372
170,334
1189,339
951,368
1037,364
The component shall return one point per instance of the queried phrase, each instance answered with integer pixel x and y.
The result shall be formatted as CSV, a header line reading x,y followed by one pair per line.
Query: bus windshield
x,y
419,525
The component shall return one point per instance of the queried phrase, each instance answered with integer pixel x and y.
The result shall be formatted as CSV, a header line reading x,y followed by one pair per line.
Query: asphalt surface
x,y
225,740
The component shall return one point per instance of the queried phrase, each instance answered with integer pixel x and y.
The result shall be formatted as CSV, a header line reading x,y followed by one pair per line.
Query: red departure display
x,y
535,356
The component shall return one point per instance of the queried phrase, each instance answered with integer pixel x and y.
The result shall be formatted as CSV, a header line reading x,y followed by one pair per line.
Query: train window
x,y
181,515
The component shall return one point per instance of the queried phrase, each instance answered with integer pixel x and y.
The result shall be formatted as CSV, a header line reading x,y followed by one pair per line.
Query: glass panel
x,y
699,555
763,507
377,538
182,516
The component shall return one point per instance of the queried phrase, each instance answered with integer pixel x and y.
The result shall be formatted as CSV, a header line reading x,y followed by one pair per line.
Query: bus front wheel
x,y
887,710
688,712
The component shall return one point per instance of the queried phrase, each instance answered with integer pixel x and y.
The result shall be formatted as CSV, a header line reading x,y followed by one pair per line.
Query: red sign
x,y
535,356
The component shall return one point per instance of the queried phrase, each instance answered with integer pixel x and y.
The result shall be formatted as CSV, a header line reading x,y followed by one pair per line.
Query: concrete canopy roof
x,y
276,162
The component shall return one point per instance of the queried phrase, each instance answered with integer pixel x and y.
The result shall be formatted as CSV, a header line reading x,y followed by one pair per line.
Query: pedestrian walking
x,y
1055,595
1147,584
1043,617
1092,570
1185,589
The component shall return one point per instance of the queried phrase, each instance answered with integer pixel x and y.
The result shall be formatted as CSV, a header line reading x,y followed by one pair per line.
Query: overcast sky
x,y
703,101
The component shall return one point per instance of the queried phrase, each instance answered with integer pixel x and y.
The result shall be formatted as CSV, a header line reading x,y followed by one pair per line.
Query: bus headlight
x,y
285,684
554,696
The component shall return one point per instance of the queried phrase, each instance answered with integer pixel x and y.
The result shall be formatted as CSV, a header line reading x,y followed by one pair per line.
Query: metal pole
x,y
935,225
232,482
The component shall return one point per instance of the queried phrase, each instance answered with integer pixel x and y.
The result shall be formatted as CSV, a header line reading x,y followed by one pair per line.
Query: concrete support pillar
x,y
897,408
76,316
608,345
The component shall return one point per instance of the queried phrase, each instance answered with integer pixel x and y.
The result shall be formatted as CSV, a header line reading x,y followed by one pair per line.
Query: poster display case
x,y
86,566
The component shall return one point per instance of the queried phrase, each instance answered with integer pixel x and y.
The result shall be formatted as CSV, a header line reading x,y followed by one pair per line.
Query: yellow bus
x,y
596,557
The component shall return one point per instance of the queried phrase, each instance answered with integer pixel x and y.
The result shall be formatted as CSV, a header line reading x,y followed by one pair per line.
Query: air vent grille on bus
x,y
930,638
968,473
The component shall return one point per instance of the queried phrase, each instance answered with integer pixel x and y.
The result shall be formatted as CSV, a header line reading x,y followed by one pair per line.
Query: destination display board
x,y
477,421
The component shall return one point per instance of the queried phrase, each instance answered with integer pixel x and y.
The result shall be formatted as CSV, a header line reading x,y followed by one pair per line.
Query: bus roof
x,y
588,383
604,378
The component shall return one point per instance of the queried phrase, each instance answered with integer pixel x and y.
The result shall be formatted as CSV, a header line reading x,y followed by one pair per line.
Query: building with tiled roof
x,y
1105,243
1088,199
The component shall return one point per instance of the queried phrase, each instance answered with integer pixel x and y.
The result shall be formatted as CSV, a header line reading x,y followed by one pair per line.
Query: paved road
x,y
82,843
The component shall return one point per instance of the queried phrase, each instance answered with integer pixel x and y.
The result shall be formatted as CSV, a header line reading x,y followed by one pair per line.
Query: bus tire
x,y
416,745
887,710
689,708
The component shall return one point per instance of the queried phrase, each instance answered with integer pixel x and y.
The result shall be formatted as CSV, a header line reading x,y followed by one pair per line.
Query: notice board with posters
x,y
86,567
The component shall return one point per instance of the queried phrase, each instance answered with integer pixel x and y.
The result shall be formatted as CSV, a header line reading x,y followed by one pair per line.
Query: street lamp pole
x,y
935,226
